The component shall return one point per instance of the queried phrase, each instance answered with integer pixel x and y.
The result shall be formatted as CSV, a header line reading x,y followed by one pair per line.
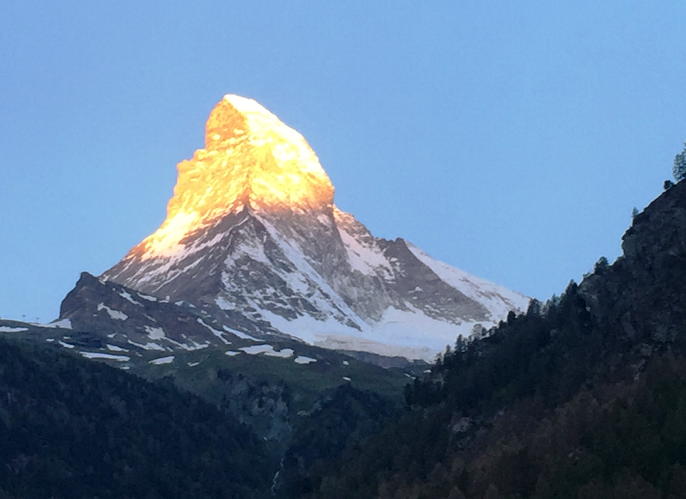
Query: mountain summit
x,y
253,238
251,160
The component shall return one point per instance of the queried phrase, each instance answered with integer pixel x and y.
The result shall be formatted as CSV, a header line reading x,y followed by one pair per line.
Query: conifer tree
x,y
679,170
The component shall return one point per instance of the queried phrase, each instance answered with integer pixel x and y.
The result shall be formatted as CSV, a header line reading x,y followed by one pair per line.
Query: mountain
x,y
256,295
252,238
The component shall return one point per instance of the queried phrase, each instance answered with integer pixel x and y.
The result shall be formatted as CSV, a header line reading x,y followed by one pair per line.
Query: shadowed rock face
x,y
252,237
640,297
123,316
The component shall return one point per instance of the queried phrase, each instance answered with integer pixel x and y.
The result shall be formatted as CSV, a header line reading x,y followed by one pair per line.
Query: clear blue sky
x,y
509,139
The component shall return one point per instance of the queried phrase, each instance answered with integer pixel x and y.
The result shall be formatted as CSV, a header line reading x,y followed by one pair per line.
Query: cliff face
x,y
640,297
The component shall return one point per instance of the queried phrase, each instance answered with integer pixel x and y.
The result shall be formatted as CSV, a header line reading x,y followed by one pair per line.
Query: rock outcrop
x,y
640,296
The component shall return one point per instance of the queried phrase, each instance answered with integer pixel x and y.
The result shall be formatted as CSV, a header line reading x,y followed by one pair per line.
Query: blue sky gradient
x,y
511,140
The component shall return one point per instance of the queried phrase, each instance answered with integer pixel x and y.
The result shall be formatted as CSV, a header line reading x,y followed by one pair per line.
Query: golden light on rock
x,y
250,159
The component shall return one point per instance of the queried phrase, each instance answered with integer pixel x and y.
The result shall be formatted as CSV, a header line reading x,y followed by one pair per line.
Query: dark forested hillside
x,y
72,428
583,397
343,421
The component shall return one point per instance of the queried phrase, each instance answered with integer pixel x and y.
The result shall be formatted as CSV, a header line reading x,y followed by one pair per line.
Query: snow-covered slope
x,y
253,238
497,299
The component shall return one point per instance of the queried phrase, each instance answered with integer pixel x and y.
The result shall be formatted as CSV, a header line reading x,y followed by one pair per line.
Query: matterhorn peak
x,y
251,159
253,240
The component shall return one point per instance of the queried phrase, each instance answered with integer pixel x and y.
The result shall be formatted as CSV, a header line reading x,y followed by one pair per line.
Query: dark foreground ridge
x,y
73,428
582,397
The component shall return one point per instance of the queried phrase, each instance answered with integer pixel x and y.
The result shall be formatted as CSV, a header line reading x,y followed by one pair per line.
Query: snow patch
x,y
249,248
96,355
148,346
218,334
231,353
155,333
194,346
267,350
306,327
257,349
404,333
301,359
284,354
126,295
65,345
162,360
368,259
114,314
223,303
115,348
6,329
239,334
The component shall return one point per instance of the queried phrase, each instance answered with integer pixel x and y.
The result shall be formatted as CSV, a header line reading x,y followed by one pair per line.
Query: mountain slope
x,y
252,237
266,383
71,428
581,397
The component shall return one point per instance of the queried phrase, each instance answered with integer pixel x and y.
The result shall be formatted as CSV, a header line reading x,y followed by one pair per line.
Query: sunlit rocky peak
x,y
252,239
251,158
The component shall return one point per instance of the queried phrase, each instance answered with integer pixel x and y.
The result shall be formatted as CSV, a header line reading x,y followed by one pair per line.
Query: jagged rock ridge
x,y
625,297
253,238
